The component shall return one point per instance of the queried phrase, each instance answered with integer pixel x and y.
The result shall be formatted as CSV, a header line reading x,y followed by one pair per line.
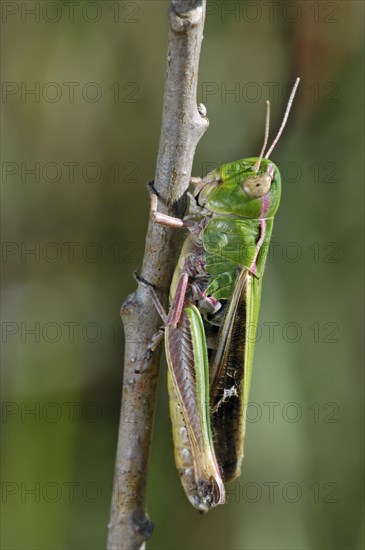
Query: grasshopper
x,y
214,305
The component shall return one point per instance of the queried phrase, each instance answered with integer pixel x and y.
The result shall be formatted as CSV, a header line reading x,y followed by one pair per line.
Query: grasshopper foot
x,y
163,219
154,342
153,191
142,281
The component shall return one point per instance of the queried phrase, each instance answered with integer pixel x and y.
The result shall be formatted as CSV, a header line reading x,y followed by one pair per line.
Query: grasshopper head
x,y
243,190
251,187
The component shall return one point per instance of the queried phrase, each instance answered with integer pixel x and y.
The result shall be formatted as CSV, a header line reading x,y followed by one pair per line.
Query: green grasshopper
x,y
211,325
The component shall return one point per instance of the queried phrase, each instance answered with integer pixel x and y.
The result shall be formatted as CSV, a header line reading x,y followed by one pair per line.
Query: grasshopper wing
x,y
188,372
231,367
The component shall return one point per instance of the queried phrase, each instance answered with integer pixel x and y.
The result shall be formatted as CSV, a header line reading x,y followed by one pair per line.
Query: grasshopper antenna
x,y
257,164
288,107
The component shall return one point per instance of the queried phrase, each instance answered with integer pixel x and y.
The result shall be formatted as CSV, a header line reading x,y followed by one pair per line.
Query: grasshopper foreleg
x,y
152,189
163,219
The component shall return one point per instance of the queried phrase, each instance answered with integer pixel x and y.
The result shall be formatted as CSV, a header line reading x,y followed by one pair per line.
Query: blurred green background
x,y
82,98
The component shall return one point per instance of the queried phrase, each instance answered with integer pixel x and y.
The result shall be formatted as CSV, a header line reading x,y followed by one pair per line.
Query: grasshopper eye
x,y
256,186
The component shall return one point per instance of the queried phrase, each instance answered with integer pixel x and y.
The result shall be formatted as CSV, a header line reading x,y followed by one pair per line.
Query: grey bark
x,y
182,128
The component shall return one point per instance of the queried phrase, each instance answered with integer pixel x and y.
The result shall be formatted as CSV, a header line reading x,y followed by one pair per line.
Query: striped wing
x,y
231,366
188,381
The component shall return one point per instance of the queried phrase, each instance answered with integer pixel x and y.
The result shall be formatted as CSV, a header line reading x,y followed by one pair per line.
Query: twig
x,y
182,128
